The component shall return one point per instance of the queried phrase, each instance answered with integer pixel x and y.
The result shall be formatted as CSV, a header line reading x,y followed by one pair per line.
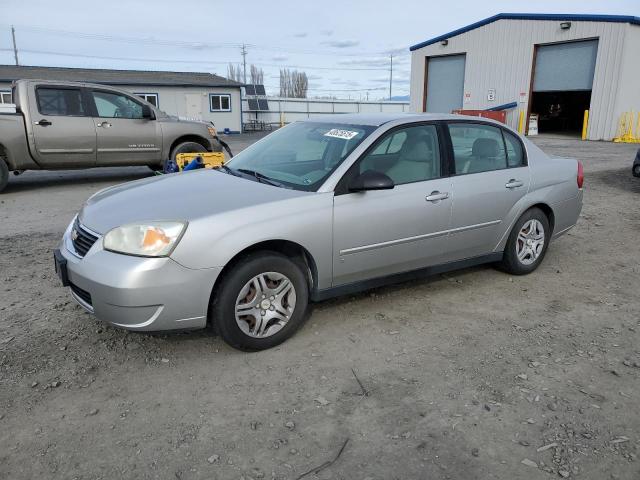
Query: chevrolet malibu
x,y
314,210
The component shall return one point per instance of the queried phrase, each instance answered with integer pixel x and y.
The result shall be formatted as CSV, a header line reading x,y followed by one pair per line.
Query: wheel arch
x,y
520,210
190,138
288,248
547,210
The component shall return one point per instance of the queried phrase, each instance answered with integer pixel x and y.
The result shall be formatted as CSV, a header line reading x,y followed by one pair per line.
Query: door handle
x,y
43,123
513,183
436,196
104,124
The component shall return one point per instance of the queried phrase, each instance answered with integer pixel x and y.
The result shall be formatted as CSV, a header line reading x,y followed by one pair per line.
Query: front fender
x,y
307,221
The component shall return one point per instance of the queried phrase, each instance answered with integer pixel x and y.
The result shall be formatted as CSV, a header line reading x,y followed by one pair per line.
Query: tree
x,y
257,75
234,72
293,84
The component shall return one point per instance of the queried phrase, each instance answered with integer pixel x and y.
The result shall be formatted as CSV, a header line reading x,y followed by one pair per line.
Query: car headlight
x,y
153,239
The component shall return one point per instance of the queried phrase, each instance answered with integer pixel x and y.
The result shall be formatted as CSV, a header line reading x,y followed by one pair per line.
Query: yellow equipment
x,y
626,132
209,159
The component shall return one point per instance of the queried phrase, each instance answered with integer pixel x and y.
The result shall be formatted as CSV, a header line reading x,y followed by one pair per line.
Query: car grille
x,y
82,294
81,239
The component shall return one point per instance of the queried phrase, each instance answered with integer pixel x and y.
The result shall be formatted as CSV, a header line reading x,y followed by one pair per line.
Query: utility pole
x,y
244,61
15,48
390,75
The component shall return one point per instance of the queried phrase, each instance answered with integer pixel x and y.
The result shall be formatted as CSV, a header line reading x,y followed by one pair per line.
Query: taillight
x,y
580,178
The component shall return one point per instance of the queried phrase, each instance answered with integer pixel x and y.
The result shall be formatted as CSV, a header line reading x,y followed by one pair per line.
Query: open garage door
x,y
562,82
445,83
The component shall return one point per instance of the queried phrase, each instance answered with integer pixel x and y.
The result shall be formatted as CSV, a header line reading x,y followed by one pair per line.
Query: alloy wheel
x,y
265,304
530,242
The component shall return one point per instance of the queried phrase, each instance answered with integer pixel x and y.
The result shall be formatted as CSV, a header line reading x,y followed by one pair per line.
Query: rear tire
x,y
636,170
4,175
260,302
527,243
187,147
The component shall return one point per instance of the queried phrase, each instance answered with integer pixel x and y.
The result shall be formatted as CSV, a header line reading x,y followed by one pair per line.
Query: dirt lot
x,y
469,375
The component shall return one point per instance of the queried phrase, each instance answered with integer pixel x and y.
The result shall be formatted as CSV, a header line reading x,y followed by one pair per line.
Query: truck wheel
x,y
4,174
187,147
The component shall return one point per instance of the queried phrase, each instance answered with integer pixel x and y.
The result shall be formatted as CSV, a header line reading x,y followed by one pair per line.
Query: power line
x,y
202,62
192,44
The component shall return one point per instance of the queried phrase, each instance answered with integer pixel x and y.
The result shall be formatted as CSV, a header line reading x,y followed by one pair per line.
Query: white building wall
x,y
500,56
294,109
628,98
173,100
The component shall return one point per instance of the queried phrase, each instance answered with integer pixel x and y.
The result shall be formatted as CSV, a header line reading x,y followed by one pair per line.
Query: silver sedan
x,y
316,209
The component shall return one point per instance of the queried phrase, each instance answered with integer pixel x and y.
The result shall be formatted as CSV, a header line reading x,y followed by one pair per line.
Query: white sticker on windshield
x,y
344,134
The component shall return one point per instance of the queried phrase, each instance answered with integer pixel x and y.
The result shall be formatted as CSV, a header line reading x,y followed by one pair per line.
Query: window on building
x,y
219,103
59,101
5,96
152,98
115,105
477,148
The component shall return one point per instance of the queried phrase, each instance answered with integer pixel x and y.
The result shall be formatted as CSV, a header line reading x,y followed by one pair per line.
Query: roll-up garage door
x,y
565,66
445,83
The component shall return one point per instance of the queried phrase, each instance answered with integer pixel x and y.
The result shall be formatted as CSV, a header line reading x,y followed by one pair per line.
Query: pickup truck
x,y
66,125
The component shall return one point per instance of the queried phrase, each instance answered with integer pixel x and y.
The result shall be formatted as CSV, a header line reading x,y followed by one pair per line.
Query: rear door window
x,y
515,153
477,148
60,101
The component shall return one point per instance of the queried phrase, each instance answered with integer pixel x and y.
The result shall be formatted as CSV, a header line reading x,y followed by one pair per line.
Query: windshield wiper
x,y
228,170
261,177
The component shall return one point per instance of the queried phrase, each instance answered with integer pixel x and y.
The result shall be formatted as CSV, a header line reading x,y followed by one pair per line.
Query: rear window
x,y
60,101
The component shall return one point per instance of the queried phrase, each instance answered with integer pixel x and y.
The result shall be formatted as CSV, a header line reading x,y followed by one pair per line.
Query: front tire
x,y
260,302
4,175
527,243
636,170
187,147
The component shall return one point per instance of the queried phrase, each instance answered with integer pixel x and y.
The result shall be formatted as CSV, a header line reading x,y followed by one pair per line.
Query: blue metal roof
x,y
532,16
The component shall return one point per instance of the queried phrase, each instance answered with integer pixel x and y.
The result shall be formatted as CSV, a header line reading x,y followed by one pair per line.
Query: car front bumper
x,y
137,293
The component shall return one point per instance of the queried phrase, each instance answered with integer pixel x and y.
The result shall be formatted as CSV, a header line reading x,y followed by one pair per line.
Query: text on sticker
x,y
337,133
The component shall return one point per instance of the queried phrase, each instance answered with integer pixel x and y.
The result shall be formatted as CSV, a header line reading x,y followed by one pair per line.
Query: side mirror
x,y
147,112
371,180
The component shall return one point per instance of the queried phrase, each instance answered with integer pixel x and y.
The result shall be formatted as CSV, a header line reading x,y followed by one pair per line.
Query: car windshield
x,y
301,155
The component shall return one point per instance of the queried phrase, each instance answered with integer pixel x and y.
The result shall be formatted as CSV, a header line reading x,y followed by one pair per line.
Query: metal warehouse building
x,y
199,96
552,66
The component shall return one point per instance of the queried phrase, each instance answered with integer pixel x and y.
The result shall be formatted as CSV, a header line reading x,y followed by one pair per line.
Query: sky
x,y
344,47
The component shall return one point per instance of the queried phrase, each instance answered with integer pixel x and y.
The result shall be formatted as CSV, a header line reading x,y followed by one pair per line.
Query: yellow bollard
x,y
585,124
521,122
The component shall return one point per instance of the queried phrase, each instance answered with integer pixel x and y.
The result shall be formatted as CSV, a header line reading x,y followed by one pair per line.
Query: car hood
x,y
178,196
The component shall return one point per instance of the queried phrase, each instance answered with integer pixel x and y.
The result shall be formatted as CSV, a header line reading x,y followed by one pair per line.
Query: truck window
x,y
59,101
114,105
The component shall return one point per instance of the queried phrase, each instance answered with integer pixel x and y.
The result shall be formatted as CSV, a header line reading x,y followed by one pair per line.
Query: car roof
x,y
377,119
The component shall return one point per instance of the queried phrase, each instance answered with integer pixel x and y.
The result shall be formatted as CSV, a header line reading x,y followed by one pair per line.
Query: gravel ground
x,y
472,374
